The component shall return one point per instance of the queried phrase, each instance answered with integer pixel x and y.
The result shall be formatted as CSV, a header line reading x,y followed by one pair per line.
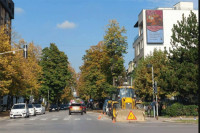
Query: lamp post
x,y
150,65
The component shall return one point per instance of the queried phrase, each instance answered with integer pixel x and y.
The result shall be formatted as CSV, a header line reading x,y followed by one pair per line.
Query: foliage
x,y
5,67
55,73
72,83
143,75
116,46
178,109
19,76
92,80
183,59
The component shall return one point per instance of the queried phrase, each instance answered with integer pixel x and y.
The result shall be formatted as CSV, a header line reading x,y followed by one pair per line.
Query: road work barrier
x,y
123,115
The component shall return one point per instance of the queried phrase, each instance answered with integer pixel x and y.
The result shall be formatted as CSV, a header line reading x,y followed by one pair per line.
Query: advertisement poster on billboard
x,y
154,21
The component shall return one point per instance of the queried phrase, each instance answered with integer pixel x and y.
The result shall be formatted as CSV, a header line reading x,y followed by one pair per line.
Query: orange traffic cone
x,y
99,117
114,120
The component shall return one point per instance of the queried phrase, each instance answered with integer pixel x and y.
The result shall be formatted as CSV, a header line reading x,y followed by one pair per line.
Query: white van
x,y
19,110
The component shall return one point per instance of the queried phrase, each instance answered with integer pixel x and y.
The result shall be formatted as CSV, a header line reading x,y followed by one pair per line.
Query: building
x,y
130,71
154,28
6,12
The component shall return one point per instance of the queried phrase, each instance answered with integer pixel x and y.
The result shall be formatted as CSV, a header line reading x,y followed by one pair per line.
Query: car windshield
x,y
37,105
30,105
126,92
19,106
76,105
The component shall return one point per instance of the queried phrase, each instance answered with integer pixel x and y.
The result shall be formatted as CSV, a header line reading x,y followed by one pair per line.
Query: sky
x,y
75,25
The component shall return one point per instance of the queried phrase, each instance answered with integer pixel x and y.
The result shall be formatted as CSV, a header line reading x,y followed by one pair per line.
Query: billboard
x,y
154,22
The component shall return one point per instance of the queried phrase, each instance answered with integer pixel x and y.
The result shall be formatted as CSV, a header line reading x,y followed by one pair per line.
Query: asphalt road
x,y
61,122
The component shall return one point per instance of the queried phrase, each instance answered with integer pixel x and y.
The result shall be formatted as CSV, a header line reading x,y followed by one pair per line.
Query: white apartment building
x,y
154,28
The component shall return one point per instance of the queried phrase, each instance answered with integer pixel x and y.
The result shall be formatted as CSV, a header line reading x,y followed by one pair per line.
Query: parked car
x,y
19,110
75,108
53,107
39,109
84,107
31,109
68,105
63,107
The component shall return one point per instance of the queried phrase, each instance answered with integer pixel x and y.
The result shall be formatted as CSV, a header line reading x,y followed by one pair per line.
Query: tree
x,y
184,58
72,83
26,72
5,67
116,46
92,80
55,72
143,75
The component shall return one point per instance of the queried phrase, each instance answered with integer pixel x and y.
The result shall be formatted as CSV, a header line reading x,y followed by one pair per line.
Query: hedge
x,y
178,109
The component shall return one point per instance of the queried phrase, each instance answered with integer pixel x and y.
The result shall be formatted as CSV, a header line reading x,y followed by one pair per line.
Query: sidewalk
x,y
170,119
4,115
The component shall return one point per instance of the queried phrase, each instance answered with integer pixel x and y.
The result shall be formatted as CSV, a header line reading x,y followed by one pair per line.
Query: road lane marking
x,y
77,119
43,119
32,119
54,119
88,119
67,118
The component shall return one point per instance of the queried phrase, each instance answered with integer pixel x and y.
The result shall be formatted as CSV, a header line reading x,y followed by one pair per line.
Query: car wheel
x,y
10,117
69,113
85,111
81,113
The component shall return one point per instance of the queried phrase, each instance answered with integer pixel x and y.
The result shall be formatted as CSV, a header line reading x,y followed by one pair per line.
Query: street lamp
x,y
148,66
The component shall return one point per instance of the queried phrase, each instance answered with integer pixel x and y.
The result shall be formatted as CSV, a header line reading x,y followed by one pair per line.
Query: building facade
x,y
155,28
6,12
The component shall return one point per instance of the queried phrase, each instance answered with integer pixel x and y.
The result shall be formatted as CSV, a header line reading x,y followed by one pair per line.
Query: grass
x,y
187,121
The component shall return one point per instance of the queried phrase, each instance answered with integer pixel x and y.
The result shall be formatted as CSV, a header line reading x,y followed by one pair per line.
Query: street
x,y
62,122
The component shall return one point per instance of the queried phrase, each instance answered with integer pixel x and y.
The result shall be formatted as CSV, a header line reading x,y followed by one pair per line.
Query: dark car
x,y
68,105
63,107
53,107
84,107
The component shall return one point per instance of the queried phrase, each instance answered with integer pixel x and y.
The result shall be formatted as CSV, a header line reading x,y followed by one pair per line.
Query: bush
x,y
178,109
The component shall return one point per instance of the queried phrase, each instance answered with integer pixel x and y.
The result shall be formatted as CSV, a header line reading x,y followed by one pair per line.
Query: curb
x,y
3,118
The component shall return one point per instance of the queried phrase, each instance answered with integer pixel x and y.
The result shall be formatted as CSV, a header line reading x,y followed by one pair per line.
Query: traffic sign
x,y
131,116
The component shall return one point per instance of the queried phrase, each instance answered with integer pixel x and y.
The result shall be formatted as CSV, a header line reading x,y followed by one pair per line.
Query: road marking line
x,y
66,118
43,119
32,119
77,119
54,119
89,119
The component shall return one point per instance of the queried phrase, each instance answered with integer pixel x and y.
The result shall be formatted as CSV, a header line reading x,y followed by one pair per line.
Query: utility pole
x,y
150,65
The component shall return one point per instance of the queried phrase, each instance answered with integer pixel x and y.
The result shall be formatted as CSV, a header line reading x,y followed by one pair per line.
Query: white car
x,y
19,110
32,110
39,109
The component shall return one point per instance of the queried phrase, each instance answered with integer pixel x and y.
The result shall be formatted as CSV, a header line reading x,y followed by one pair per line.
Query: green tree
x,y
55,72
143,75
92,80
116,45
184,59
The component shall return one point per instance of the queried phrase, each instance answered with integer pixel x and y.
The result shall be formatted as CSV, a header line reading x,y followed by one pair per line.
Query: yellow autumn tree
x,y
6,69
25,81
